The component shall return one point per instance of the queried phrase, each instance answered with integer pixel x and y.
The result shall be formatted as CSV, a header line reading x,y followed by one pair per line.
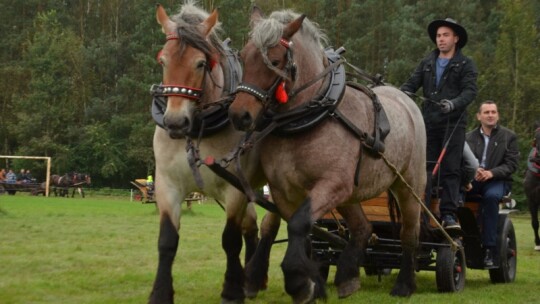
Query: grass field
x,y
102,250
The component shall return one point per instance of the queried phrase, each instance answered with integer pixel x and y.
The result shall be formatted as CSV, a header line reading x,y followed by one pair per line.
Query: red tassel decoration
x,y
281,95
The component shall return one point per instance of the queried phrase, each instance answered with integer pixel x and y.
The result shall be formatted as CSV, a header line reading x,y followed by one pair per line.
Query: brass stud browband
x,y
173,90
250,90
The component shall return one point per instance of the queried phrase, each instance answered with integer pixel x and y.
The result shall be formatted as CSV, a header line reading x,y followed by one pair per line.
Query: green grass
x,y
99,250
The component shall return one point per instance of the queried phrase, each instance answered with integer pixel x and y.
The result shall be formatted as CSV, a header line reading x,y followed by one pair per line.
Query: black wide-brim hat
x,y
451,23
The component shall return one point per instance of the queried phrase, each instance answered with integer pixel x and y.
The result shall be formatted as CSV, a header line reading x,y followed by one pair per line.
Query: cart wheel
x,y
450,269
507,259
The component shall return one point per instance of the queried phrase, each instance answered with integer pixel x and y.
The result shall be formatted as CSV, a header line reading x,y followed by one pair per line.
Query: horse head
x,y
82,178
270,71
189,60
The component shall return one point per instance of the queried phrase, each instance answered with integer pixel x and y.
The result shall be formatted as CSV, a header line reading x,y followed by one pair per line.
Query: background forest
x,y
75,74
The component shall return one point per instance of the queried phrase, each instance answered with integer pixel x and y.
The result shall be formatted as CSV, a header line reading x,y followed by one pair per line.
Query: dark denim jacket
x,y
458,84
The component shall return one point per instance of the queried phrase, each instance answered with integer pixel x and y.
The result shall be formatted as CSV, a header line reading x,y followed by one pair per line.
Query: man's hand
x,y
446,106
483,175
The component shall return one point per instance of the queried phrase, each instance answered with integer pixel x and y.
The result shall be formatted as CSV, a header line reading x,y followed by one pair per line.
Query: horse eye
x,y
275,63
201,64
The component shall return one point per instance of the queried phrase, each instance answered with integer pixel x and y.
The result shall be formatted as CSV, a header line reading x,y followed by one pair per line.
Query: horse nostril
x,y
242,121
177,127
246,120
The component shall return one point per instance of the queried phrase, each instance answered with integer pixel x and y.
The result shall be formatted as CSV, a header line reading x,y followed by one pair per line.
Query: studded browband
x,y
173,90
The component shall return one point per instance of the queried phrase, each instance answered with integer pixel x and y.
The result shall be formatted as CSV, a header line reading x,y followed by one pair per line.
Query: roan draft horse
x,y
199,74
531,185
315,151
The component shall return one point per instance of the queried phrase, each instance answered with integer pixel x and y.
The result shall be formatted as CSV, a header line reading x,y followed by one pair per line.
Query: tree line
x,y
75,75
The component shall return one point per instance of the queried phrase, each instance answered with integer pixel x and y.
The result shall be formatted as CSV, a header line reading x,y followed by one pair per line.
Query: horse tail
x,y
394,213
427,233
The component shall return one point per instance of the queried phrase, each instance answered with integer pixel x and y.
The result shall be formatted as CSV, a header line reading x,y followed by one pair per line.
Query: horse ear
x,y
256,15
167,26
210,22
291,28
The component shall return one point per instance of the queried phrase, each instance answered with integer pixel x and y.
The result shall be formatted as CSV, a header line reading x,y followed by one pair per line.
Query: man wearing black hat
x,y
448,80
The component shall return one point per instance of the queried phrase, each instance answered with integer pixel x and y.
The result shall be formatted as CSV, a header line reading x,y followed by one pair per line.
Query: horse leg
x,y
405,284
231,241
302,279
256,269
347,279
532,191
250,231
533,208
163,292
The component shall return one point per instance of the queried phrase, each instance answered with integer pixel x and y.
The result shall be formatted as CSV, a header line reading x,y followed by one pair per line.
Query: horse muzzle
x,y
242,121
177,127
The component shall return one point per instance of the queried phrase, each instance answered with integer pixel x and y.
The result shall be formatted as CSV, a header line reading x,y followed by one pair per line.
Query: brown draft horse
x,y
313,171
199,74
531,184
62,183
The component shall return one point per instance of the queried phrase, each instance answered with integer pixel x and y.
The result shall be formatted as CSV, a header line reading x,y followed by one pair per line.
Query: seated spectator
x,y
28,177
496,149
3,175
11,177
21,176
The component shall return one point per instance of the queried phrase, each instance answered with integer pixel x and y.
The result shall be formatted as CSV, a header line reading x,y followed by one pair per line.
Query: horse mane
x,y
188,20
267,32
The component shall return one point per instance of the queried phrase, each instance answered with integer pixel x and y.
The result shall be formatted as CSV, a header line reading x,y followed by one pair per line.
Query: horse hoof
x,y
307,296
251,290
251,293
348,288
401,291
537,247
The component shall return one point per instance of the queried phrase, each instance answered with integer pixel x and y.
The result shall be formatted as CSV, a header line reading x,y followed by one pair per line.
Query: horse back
x,y
330,151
